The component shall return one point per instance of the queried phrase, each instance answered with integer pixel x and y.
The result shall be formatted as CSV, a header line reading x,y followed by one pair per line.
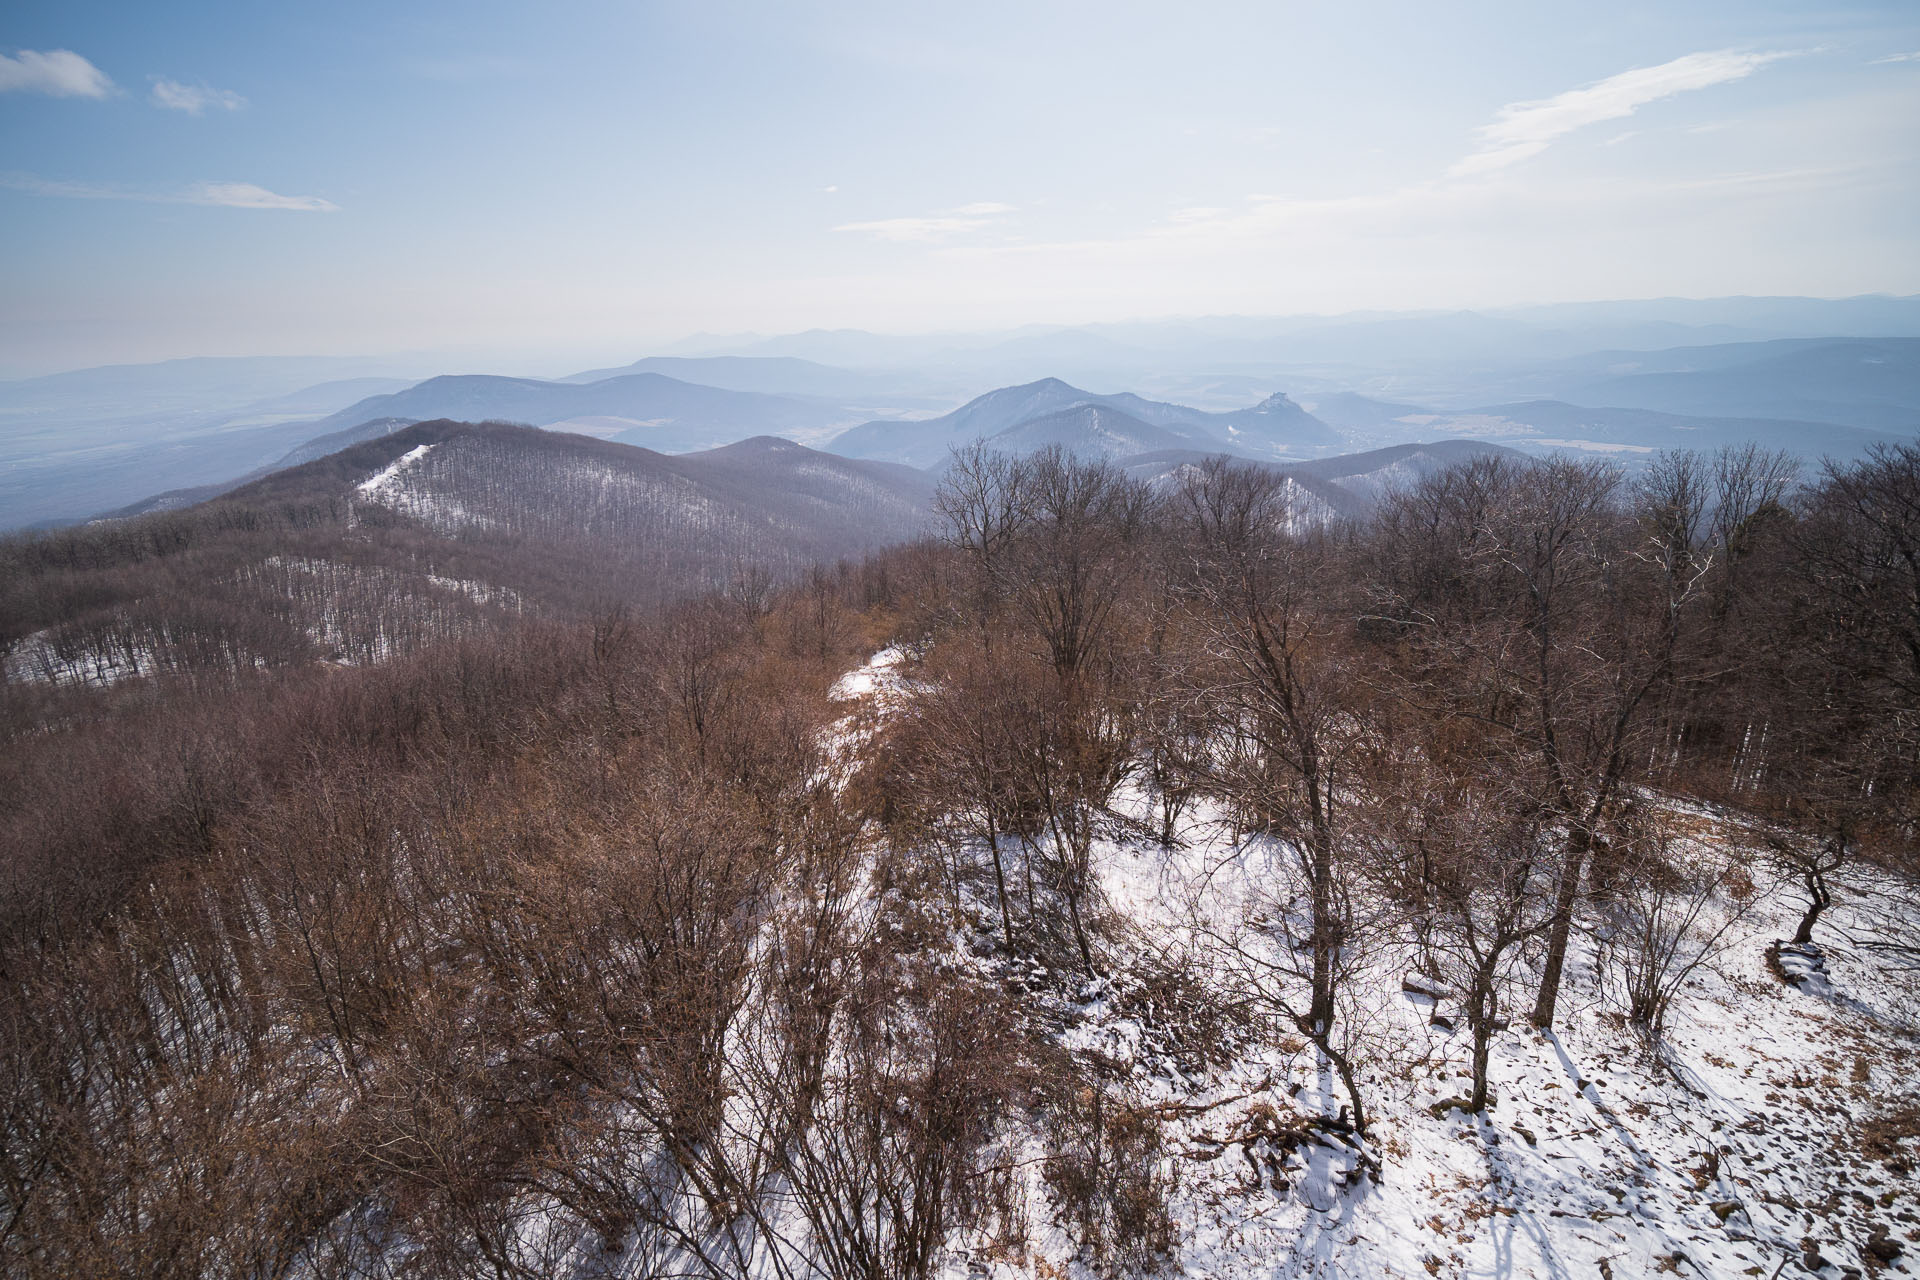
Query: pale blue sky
x,y
220,179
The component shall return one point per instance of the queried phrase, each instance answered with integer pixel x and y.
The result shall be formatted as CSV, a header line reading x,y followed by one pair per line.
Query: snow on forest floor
x,y
1595,1160
381,485
879,679
1778,1136
866,695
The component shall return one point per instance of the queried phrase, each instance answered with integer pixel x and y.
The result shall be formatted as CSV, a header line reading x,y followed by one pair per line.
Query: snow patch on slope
x,y
381,485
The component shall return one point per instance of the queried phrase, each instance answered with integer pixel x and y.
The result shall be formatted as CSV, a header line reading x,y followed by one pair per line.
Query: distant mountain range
x,y
646,409
59,464
1782,372
1360,416
1854,382
1384,341
1051,412
781,376
319,447
213,384
1627,435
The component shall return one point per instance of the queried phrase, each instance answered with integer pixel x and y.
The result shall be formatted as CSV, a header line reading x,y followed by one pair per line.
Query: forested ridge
x,y
433,532
596,921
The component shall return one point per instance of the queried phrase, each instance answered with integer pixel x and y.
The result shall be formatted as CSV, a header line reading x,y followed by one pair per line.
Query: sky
x,y
601,179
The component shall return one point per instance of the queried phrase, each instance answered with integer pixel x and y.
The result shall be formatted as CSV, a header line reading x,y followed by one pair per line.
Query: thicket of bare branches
x,y
592,945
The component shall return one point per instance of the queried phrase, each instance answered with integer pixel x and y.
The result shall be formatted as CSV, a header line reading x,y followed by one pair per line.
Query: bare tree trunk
x,y
1480,1016
1572,867
1816,883
999,879
1325,939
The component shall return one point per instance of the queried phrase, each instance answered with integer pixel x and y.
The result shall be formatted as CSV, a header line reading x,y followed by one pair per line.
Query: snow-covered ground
x,y
879,680
1747,1146
400,486
381,485
1597,1159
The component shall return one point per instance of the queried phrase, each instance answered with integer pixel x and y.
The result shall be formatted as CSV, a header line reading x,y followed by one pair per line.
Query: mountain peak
x,y
1046,385
762,444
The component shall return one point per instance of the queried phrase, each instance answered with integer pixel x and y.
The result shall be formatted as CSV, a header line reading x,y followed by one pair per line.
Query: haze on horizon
x,y
239,180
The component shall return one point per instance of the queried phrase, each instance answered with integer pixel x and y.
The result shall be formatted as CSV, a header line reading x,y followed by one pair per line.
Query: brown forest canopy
x,y
594,909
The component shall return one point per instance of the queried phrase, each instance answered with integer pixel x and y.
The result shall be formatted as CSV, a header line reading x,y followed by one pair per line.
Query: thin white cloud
x,y
58,73
942,226
1431,210
1522,130
193,98
1519,131
225,195
1896,57
244,195
1456,206
905,230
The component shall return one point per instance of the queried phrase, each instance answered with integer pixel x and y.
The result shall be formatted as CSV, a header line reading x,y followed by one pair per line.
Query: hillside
x,y
1774,1122
1141,880
436,530
763,497
411,533
1087,431
1347,486
1276,427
